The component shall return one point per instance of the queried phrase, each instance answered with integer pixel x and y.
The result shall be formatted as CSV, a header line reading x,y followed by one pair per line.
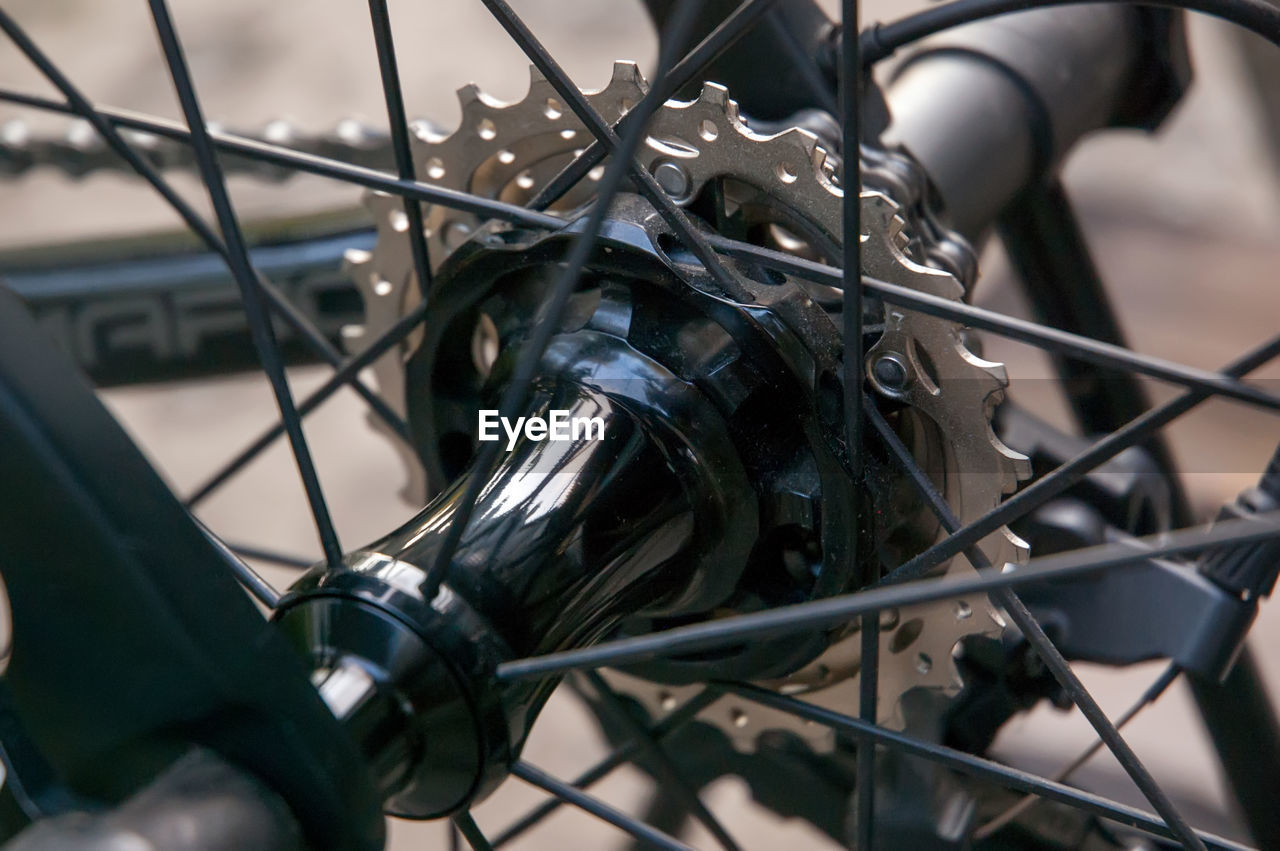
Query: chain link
x,y
80,151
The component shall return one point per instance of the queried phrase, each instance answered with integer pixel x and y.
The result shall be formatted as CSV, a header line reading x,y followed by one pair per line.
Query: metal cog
x,y
509,151
499,150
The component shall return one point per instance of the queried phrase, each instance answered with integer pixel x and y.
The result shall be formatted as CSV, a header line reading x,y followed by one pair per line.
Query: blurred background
x,y
1183,224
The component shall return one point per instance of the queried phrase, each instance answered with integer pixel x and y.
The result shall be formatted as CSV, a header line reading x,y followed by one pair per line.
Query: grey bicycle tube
x,y
990,108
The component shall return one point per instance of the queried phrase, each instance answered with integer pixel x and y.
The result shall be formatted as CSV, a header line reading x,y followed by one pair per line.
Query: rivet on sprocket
x,y
890,373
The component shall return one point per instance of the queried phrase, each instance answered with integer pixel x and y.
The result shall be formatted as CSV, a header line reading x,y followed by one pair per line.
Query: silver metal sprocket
x,y
509,151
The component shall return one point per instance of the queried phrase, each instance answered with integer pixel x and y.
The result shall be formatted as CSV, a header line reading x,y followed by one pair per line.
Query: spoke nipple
x,y
890,373
673,179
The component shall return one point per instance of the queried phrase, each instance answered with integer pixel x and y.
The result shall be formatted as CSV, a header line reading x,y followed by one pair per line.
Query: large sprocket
x,y
509,151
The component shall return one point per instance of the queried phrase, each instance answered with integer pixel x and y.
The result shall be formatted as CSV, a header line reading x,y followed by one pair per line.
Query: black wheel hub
x,y
719,484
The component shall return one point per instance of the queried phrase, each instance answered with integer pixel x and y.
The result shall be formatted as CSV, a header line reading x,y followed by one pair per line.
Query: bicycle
x,y
808,569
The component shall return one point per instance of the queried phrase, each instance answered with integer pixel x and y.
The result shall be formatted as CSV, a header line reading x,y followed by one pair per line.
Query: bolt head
x,y
673,179
890,372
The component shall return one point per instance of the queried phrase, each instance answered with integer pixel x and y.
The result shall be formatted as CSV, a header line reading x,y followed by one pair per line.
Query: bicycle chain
x,y
81,151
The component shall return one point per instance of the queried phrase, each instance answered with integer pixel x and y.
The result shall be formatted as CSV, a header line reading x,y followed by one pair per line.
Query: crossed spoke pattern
x,y
670,773
619,142
851,319
237,256
1034,633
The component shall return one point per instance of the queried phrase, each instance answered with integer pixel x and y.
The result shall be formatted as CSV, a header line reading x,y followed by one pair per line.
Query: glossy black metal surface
x,y
568,537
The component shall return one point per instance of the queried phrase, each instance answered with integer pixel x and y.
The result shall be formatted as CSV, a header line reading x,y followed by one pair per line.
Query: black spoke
x,y
272,556
1073,345
466,825
1054,264
1148,697
868,706
249,578
517,389
880,40
851,318
838,610
671,777
1044,647
625,753
393,335
79,106
318,343
400,139
596,807
975,766
720,39
1041,336
1080,696
1053,484
682,17
309,163
260,327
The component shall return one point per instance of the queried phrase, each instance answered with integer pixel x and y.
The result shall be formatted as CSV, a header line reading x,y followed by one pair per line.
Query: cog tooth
x,y
997,371
714,94
626,72
822,161
469,96
1020,549
717,97
1004,547
535,76
883,212
893,230
801,139
1018,465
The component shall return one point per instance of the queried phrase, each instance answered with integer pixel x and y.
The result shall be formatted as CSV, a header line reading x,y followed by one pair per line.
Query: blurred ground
x,y
1183,225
